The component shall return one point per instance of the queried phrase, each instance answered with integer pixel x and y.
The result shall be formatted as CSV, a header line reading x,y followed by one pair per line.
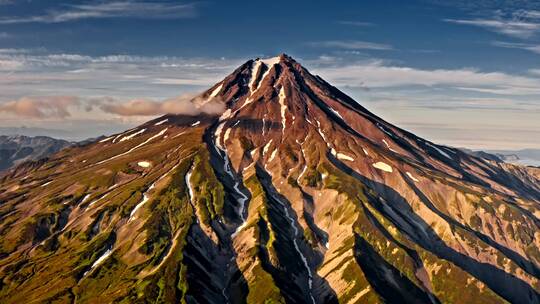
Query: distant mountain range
x,y
527,157
18,148
294,193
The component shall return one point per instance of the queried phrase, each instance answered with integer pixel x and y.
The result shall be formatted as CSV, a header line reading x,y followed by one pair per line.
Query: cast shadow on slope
x,y
387,281
279,209
526,265
397,210
207,267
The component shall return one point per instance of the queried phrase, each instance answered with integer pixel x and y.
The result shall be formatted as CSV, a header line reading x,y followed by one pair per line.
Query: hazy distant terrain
x,y
18,148
528,157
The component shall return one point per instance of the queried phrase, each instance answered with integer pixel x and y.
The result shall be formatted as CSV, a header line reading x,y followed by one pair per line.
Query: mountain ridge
x,y
295,193
15,149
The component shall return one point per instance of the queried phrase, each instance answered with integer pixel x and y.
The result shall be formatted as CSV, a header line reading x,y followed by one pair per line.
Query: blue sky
x,y
463,74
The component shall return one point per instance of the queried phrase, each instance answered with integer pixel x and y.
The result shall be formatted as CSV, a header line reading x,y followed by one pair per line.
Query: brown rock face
x,y
294,194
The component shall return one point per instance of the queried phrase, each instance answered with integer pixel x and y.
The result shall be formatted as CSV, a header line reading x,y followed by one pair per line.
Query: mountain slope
x,y
294,194
16,149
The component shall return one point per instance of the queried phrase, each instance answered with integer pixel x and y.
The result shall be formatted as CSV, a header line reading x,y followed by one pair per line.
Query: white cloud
x,y
375,74
113,9
531,14
40,106
520,29
519,23
535,48
351,45
186,104
10,65
182,81
124,76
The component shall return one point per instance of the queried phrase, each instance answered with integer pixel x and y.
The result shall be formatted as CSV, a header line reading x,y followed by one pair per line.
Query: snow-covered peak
x,y
271,61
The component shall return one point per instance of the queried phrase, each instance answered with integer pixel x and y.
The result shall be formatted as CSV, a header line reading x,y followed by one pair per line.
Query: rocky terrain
x,y
294,194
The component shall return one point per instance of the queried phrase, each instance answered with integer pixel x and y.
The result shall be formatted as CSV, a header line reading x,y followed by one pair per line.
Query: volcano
x,y
294,194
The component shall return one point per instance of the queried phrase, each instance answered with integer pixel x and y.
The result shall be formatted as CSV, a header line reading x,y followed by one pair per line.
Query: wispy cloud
x,y
378,74
351,45
535,72
519,24
533,14
124,77
535,48
518,29
113,9
356,23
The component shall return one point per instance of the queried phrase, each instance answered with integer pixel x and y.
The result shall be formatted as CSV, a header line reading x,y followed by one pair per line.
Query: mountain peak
x,y
271,60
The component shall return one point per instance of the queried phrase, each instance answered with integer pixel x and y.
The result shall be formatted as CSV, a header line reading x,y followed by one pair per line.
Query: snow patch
x,y
301,174
365,151
161,122
144,164
140,204
216,91
283,108
85,198
271,61
198,122
217,135
266,147
273,155
225,115
136,147
106,139
100,260
47,183
383,166
128,137
227,134
344,157
388,146
336,112
98,199
191,192
412,177
321,133
254,69
439,150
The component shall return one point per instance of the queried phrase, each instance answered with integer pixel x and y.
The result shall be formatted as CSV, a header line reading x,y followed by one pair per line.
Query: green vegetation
x,y
209,191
